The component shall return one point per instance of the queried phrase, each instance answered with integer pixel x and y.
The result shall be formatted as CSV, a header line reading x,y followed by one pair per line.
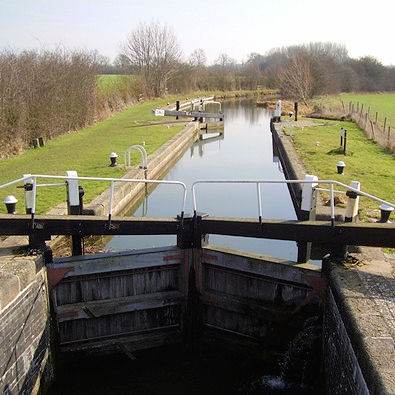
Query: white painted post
x,y
73,208
307,212
277,112
28,194
73,198
353,203
307,192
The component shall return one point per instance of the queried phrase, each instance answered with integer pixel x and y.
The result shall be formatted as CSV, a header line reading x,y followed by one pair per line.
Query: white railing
x,y
143,154
313,182
34,177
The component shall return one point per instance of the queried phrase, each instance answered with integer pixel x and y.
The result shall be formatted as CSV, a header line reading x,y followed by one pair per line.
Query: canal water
x,y
243,151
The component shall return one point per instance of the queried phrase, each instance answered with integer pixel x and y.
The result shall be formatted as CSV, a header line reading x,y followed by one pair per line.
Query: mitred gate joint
x,y
190,234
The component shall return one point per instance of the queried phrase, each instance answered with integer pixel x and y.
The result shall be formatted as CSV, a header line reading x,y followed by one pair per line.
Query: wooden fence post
x,y
375,121
371,125
385,123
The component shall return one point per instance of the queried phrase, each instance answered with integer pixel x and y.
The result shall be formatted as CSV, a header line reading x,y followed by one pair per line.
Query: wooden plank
x,y
121,324
110,285
121,261
135,341
254,308
269,268
86,310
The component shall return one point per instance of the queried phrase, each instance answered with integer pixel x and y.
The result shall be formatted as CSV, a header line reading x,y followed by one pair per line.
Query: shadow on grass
x,y
339,151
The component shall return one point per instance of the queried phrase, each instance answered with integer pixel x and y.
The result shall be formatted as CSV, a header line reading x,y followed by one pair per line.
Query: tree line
x,y
299,72
49,93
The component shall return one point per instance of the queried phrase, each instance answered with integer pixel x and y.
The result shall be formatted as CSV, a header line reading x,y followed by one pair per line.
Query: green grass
x,y
365,161
86,151
107,83
382,103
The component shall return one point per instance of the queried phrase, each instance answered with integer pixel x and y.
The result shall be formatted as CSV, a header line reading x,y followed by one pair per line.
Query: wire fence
x,y
380,132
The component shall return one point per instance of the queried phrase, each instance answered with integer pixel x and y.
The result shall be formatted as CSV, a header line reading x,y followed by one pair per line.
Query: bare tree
x,y
296,79
198,58
154,51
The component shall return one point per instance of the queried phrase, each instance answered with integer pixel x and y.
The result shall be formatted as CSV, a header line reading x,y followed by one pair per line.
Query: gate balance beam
x,y
195,114
362,234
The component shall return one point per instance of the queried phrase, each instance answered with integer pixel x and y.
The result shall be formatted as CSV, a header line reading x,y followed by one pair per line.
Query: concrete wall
x,y
25,364
343,373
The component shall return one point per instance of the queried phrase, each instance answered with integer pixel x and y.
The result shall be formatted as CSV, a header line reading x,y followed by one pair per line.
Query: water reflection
x,y
243,151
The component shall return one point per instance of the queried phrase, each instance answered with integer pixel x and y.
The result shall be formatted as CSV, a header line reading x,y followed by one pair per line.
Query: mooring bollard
x,y
10,203
113,159
340,167
385,211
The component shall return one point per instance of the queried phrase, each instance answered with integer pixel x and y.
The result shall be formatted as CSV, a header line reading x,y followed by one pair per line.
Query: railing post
x,y
353,203
307,213
28,185
74,208
35,242
339,251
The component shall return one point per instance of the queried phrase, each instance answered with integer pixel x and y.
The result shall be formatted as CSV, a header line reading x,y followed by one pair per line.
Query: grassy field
x,y
107,83
365,161
382,103
86,151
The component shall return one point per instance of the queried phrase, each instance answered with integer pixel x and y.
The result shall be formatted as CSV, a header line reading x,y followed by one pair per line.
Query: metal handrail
x,y
258,183
112,181
143,153
214,102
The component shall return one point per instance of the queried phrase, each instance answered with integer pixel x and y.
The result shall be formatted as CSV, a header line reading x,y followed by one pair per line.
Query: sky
x,y
234,27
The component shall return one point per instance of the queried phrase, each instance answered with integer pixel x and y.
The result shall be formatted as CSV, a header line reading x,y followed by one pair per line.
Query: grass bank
x,y
319,148
87,151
